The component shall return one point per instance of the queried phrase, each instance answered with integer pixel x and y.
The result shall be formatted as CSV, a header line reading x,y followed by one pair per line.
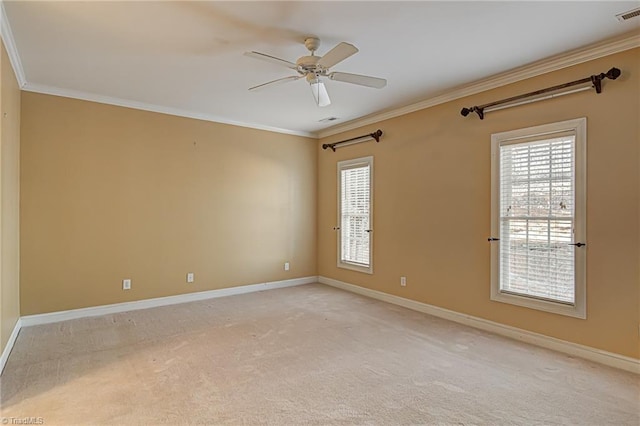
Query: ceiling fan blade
x,y
362,80
338,54
272,59
276,82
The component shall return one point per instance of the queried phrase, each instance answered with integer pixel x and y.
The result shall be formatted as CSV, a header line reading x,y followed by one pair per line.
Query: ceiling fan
x,y
312,68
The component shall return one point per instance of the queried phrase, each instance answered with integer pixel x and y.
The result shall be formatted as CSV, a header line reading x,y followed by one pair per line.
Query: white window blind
x,y
538,216
355,214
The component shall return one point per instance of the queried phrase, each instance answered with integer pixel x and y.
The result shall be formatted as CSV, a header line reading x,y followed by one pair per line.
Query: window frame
x,y
349,164
579,127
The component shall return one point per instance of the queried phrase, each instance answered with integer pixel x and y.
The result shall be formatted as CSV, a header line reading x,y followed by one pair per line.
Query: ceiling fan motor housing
x,y
309,65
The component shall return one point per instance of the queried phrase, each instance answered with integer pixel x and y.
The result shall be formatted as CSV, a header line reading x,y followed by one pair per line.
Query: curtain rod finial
x,y
613,73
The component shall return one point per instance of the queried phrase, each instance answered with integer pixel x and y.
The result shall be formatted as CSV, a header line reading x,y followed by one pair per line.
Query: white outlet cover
x,y
190,277
126,284
286,266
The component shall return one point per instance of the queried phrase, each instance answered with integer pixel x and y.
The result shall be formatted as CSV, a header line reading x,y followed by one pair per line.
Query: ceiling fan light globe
x,y
320,93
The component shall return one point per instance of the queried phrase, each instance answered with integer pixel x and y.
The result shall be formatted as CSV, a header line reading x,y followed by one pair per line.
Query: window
x,y
354,214
538,215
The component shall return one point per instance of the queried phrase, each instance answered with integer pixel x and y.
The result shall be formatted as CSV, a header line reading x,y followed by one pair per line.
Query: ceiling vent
x,y
328,119
625,16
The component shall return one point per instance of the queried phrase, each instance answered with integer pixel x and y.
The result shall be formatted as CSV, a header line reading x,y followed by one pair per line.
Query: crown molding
x,y
10,45
16,63
14,57
93,97
554,63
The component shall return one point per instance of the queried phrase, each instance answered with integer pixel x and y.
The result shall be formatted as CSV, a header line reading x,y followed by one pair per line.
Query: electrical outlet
x,y
403,281
190,277
286,266
126,284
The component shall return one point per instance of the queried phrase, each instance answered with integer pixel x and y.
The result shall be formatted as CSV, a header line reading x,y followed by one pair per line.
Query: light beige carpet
x,y
303,355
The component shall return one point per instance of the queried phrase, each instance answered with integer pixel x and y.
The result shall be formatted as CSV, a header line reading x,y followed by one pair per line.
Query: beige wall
x,y
432,205
110,193
10,199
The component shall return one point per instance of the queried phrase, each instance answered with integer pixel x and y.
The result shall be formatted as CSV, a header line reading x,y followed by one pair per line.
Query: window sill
x,y
355,267
577,311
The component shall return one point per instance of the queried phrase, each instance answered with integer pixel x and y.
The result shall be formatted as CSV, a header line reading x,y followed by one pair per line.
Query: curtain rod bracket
x,y
477,110
595,80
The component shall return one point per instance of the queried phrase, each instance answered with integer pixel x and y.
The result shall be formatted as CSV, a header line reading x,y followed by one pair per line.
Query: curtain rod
x,y
596,81
364,138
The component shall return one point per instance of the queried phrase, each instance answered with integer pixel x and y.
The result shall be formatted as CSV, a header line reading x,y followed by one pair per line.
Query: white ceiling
x,y
187,57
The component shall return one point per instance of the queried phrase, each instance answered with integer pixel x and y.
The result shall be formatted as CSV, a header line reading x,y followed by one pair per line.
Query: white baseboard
x,y
12,340
608,358
159,301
